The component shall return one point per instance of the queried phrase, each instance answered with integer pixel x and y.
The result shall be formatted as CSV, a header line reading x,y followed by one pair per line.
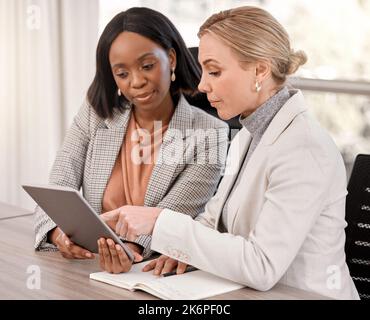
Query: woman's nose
x,y
202,86
138,80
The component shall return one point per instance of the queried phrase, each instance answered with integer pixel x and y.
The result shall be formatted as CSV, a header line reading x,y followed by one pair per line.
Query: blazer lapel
x,y
108,142
238,149
170,154
293,107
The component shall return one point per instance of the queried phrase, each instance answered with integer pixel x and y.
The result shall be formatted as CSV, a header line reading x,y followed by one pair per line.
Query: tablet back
x,y
73,214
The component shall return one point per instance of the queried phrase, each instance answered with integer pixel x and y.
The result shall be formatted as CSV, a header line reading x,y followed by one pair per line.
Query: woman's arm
x,y
295,197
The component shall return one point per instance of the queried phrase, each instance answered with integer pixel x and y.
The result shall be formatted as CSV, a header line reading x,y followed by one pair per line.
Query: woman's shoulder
x,y
295,126
305,137
86,113
200,118
203,119
305,129
87,117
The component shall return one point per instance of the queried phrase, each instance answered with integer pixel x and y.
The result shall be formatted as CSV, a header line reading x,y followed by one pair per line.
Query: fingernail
x,y
88,254
118,247
67,243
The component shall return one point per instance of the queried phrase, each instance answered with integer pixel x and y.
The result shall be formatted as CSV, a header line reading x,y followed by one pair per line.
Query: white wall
x,y
47,61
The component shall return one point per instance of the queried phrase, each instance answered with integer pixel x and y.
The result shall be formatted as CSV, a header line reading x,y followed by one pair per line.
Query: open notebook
x,y
188,286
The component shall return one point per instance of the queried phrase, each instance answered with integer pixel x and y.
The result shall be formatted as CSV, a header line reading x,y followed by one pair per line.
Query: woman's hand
x,y
111,218
67,248
131,221
165,264
114,259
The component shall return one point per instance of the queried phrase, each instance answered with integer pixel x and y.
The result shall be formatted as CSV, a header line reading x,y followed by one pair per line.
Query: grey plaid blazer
x,y
189,166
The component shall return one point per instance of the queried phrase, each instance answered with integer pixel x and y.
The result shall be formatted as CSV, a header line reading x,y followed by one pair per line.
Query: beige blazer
x,y
185,176
287,219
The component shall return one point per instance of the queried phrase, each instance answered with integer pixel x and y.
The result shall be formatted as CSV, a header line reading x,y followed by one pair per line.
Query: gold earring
x,y
119,92
173,76
258,86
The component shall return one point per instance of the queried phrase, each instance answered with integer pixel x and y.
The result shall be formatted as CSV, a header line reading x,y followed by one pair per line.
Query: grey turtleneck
x,y
256,124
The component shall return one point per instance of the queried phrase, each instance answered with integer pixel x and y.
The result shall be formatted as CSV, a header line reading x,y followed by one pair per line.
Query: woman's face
x,y
142,70
229,87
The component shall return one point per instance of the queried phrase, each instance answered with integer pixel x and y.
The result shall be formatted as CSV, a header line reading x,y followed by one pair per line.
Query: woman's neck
x,y
163,113
264,95
267,94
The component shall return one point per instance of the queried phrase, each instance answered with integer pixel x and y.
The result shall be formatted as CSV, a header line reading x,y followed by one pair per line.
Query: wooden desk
x,y
8,211
69,279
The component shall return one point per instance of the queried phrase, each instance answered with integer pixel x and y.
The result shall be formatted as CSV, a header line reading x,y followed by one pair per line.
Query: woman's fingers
x,y
113,259
116,264
106,255
70,250
150,266
62,242
66,255
165,264
118,227
110,218
169,265
123,228
101,256
181,267
136,220
137,257
159,265
123,259
79,253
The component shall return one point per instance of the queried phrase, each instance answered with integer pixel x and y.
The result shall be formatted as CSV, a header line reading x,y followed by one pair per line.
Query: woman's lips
x,y
214,102
144,97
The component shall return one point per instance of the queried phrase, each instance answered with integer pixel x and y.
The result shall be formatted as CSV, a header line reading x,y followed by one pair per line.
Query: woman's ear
x,y
263,70
172,57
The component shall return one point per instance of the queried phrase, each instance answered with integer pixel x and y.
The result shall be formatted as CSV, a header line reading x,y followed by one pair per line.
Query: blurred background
x,y
47,61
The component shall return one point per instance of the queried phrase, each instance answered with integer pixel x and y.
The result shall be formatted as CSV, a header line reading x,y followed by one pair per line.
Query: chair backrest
x,y
200,100
358,230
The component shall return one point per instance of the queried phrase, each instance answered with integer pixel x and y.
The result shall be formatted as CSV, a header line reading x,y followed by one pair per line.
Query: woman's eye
x,y
148,66
122,75
214,73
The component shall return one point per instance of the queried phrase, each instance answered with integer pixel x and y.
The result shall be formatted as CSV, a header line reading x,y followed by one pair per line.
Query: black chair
x,y
200,100
358,230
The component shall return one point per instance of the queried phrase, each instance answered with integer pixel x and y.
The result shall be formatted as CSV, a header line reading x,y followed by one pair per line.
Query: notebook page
x,y
189,286
126,280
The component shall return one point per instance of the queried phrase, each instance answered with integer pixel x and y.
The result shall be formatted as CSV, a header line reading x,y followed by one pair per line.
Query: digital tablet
x,y
73,214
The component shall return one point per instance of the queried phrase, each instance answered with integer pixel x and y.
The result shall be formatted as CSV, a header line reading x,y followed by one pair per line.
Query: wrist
x,y
135,247
53,234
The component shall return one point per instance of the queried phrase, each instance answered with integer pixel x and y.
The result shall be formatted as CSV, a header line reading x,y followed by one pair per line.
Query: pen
x,y
172,273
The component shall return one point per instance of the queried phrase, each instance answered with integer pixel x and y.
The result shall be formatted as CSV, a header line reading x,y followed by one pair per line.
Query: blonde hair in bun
x,y
296,59
254,34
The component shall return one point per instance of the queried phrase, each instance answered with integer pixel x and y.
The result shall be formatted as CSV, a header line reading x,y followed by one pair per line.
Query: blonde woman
x,y
278,214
